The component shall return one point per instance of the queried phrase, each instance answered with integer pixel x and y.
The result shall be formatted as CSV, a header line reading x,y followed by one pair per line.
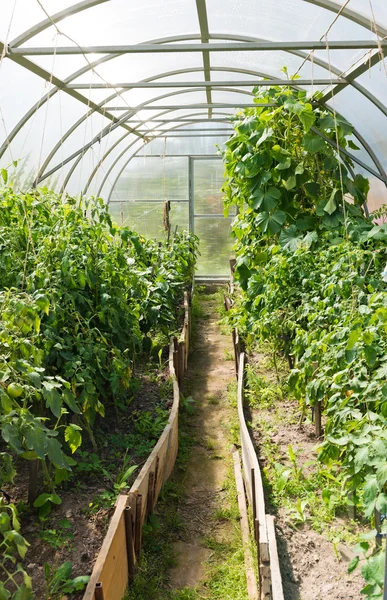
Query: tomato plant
x,y
80,298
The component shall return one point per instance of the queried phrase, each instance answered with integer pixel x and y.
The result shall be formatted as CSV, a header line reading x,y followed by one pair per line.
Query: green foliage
x,y
284,173
44,503
59,581
80,298
15,583
309,265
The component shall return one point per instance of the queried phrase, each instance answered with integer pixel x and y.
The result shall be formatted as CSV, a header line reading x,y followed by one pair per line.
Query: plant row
x,y
80,300
310,264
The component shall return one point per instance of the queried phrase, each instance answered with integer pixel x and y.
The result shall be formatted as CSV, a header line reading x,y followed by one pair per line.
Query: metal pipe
x,y
187,84
216,47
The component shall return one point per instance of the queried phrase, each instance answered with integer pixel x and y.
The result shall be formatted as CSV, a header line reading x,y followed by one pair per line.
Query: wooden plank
x,y
107,556
253,463
275,572
251,580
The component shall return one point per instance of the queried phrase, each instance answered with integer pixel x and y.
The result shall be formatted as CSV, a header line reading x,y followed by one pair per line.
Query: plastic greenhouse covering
x,y
132,101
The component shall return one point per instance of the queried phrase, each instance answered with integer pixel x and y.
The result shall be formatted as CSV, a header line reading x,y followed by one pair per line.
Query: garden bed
x,y
75,529
314,532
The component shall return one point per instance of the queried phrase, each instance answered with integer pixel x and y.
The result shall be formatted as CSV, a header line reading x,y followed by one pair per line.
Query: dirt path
x,y
207,380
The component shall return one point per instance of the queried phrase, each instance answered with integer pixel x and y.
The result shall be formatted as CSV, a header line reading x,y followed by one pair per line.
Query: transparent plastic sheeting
x,y
136,147
63,125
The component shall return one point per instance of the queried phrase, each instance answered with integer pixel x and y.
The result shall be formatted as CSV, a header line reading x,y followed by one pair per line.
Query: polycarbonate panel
x,y
17,17
63,66
208,178
86,131
375,80
146,218
215,244
136,67
185,146
269,63
367,119
123,22
42,131
154,178
379,9
377,196
14,101
278,20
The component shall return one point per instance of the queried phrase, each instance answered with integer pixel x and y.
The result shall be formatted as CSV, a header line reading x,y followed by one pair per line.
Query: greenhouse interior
x,y
193,324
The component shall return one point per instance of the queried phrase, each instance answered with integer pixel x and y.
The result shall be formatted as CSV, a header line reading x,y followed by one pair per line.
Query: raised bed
x,y
264,528
116,562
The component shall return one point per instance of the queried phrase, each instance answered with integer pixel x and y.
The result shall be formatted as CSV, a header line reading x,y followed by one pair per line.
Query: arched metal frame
x,y
204,37
108,129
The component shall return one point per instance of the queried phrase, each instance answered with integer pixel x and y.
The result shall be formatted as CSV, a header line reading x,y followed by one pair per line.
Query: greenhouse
x,y
193,324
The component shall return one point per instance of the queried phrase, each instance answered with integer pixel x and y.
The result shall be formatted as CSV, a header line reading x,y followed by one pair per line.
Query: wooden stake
x,y
33,481
252,586
129,541
151,488
155,485
138,526
99,591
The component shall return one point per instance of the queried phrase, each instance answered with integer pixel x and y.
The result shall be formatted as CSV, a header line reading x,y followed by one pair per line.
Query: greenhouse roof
x,y
85,86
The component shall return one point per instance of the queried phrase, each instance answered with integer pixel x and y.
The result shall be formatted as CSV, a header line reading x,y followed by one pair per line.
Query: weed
x,y
212,400
60,537
59,581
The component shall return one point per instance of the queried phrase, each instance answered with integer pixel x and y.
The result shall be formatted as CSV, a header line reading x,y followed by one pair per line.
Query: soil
x,y
76,529
311,567
206,379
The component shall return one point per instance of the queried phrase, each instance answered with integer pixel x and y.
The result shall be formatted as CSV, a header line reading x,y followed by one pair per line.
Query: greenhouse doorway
x,y
207,220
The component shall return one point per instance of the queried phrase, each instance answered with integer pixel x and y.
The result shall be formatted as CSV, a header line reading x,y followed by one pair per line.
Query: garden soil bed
x,y
74,531
312,567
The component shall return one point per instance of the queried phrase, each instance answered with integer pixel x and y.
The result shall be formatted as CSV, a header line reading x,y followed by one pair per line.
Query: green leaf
x,y
4,175
73,436
267,200
307,117
371,492
271,223
23,593
312,188
313,143
290,238
331,205
361,458
353,564
370,355
70,400
53,401
4,594
290,183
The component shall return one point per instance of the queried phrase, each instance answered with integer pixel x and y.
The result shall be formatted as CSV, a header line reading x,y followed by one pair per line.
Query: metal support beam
x,y
231,105
215,47
60,84
193,84
205,37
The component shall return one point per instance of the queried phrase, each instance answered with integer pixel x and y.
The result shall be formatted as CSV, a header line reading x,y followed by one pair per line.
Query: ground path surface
x,y
209,374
